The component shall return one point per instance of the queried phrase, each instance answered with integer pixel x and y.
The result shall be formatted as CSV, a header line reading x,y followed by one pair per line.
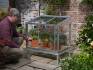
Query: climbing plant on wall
x,y
86,6
54,7
55,2
86,34
88,2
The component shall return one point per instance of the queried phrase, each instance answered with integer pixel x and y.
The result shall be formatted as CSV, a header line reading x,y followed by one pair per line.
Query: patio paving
x,y
34,63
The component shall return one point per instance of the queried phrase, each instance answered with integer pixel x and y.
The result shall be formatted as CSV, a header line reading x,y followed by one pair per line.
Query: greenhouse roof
x,y
47,18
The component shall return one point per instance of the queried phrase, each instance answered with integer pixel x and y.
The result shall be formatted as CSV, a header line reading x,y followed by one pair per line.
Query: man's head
x,y
13,14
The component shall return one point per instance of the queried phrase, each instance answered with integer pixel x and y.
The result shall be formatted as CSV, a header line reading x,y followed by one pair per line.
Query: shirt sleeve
x,y
8,43
11,44
15,33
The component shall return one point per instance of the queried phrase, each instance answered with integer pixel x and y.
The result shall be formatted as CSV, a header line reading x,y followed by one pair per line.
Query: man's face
x,y
14,18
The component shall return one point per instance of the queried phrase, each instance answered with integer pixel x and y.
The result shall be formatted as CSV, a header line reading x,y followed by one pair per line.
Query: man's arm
x,y
11,44
15,33
8,43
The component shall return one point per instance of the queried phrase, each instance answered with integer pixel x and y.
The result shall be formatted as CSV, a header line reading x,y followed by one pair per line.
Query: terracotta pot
x,y
45,45
51,46
34,43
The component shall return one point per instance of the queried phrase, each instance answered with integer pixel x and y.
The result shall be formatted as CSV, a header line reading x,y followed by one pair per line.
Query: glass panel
x,y
47,36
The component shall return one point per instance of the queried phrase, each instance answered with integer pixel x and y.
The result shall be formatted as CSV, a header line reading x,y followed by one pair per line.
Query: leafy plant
x,y
33,33
86,33
20,29
50,10
82,61
44,36
88,2
54,7
55,2
35,37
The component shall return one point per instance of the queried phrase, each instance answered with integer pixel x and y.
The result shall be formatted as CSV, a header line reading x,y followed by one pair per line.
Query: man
x,y
7,28
9,36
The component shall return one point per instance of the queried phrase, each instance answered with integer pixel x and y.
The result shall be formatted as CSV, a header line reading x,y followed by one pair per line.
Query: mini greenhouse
x,y
50,34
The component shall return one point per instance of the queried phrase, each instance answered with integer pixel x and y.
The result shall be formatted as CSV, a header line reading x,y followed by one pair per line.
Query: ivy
x,y
86,33
88,2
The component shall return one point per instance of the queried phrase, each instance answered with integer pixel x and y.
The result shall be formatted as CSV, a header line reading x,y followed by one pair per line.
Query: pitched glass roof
x,y
47,18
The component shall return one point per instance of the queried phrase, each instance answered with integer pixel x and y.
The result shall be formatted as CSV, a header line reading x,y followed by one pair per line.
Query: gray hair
x,y
13,12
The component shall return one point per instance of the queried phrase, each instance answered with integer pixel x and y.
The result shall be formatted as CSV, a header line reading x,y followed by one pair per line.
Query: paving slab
x,y
41,59
59,68
6,69
37,69
21,63
25,68
42,65
54,62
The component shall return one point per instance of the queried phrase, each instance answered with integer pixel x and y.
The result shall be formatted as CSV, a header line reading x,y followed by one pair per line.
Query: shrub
x,y
86,33
82,61
50,10
88,2
54,7
55,2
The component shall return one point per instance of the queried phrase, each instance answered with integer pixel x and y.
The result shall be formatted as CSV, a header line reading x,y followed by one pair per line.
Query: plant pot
x,y
51,46
45,45
34,43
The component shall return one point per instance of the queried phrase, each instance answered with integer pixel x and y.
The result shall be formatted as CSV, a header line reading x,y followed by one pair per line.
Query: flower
x,y
91,43
85,35
88,40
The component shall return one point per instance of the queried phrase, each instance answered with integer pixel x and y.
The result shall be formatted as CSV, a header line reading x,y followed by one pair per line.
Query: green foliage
x,y
33,33
55,2
35,37
44,35
82,61
53,5
84,47
20,29
88,2
50,10
86,33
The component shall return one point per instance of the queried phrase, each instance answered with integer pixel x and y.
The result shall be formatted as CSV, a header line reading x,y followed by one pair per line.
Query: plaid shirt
x,y
7,32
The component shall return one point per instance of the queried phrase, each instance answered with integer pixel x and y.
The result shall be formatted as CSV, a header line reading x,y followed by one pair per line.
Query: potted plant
x,y
44,36
35,40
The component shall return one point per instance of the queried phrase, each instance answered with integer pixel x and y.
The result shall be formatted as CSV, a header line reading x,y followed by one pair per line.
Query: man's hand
x,y
29,39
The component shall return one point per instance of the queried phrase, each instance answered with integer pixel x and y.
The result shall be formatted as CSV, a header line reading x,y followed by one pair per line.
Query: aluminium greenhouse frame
x,y
46,51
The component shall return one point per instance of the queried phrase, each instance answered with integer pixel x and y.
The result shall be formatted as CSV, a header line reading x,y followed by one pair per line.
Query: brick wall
x,y
76,19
